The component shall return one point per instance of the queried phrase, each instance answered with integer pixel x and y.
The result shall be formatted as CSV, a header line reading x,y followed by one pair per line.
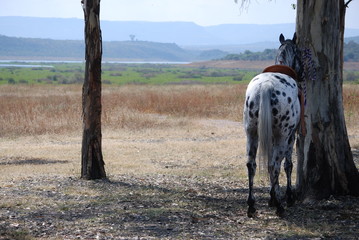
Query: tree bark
x,y
92,165
325,161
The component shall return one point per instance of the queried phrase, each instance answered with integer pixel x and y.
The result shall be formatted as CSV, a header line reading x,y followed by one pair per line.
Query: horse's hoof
x,y
251,212
280,212
271,202
290,202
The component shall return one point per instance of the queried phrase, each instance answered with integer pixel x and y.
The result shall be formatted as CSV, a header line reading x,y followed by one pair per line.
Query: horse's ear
x,y
294,38
281,38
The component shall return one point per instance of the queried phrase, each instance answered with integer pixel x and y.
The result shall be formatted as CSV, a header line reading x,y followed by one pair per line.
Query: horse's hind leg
x,y
288,167
252,145
274,169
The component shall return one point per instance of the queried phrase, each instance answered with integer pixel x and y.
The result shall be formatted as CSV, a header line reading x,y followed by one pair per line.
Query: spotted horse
x,y
271,117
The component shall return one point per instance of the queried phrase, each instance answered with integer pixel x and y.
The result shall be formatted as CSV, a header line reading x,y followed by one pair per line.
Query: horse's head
x,y
289,54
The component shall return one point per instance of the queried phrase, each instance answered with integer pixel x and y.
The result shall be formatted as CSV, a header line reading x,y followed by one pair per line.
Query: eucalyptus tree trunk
x,y
92,165
325,160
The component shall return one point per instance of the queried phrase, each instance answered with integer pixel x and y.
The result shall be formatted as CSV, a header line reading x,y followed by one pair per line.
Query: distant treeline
x,y
351,54
267,54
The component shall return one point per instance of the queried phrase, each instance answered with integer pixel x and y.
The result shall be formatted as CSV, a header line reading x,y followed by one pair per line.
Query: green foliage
x,y
351,76
351,52
267,54
115,73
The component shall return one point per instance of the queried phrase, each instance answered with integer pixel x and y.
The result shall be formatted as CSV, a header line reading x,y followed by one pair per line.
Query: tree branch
x,y
347,3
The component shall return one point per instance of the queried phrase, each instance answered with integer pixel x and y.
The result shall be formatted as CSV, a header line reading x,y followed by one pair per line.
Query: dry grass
x,y
36,110
175,156
44,122
39,110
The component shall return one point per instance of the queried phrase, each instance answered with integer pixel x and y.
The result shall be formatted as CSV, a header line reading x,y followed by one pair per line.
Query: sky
x,y
201,12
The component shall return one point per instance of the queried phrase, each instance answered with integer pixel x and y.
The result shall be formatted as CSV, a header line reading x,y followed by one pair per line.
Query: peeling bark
x,y
325,161
92,159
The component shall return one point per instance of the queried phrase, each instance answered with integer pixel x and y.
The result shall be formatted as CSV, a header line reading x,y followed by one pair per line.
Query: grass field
x,y
226,72
175,157
119,74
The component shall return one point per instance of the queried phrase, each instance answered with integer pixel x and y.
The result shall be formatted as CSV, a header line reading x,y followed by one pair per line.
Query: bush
x,y
11,81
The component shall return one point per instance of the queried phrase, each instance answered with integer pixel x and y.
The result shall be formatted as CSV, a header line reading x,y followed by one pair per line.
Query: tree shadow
x,y
145,208
31,161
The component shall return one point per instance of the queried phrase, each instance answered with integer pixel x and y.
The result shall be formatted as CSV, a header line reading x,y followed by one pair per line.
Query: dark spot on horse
x,y
274,111
251,105
284,94
286,125
256,113
278,77
274,101
287,118
289,100
275,121
277,158
287,113
250,114
247,101
273,95
282,80
277,92
283,118
290,141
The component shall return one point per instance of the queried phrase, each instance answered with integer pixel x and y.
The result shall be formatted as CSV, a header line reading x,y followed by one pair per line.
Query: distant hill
x,y
36,47
352,39
227,37
13,47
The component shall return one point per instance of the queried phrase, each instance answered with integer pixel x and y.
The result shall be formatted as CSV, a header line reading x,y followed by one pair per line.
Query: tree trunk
x,y
92,165
325,161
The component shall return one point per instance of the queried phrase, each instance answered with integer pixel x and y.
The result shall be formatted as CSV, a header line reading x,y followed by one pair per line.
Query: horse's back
x,y
284,101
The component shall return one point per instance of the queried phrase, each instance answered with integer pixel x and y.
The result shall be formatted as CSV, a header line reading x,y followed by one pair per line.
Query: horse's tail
x,y
265,125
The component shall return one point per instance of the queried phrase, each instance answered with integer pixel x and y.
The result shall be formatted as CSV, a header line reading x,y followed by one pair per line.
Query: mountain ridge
x,y
181,33
188,35
18,47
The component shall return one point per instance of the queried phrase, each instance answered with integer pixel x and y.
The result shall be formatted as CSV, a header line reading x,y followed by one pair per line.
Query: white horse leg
x,y
252,145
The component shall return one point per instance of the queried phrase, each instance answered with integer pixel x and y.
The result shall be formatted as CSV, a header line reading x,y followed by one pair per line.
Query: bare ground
x,y
185,182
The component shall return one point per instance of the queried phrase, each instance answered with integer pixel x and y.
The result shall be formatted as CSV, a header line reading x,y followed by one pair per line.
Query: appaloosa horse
x,y
271,116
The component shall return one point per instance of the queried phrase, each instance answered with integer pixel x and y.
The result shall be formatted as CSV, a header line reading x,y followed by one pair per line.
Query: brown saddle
x,y
282,69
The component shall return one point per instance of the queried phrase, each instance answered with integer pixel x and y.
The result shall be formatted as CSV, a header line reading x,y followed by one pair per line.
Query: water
x,y
24,63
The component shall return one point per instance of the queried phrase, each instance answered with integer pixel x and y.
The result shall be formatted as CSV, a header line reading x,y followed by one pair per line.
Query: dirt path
x,y
185,182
